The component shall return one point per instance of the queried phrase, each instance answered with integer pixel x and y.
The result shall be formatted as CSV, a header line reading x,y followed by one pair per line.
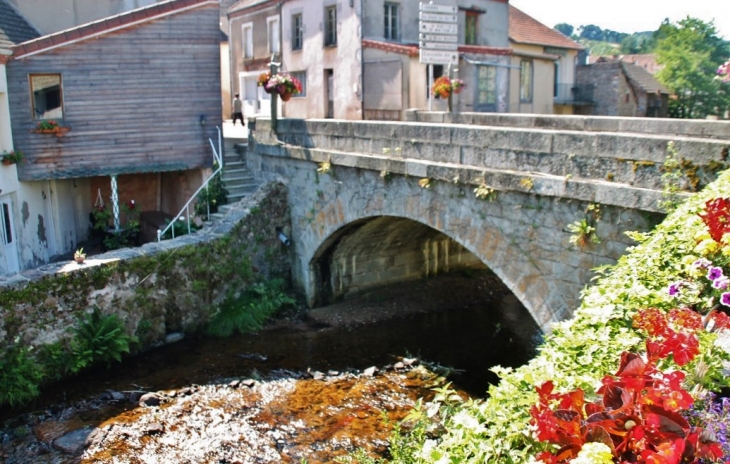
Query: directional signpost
x,y
438,37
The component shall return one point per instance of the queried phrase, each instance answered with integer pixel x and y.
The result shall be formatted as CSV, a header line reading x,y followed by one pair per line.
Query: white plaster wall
x,y
314,58
52,218
492,28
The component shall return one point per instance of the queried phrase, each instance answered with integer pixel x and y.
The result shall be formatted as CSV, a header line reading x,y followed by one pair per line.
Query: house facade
x,y
138,95
17,199
623,89
544,63
358,59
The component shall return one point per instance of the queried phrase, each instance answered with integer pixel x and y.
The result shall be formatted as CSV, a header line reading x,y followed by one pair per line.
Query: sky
x,y
627,15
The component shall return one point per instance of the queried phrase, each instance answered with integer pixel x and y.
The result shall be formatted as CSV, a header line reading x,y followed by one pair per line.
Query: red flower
x,y
717,217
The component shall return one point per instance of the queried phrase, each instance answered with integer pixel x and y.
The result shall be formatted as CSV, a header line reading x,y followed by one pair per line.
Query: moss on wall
x,y
158,289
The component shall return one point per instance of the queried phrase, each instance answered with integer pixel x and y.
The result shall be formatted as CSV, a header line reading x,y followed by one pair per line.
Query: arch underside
x,y
380,251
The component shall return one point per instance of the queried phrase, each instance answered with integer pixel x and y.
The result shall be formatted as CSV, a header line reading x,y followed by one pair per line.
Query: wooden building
x,y
138,95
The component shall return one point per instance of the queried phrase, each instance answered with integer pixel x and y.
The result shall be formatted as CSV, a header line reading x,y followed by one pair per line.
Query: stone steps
x,y
238,179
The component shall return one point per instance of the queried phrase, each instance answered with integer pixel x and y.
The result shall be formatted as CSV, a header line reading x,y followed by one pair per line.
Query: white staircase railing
x,y
218,157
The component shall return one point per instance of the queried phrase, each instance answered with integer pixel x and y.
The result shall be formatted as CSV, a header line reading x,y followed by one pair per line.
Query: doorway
x,y
329,93
8,239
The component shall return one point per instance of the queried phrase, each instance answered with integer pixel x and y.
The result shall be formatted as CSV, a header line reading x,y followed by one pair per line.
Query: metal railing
x,y
184,213
574,93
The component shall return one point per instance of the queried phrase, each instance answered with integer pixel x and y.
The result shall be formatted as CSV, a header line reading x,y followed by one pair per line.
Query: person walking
x,y
238,111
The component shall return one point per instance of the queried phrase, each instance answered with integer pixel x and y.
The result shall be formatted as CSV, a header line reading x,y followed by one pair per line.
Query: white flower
x,y
594,453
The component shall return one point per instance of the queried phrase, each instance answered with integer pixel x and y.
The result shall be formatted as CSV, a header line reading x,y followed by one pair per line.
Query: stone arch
x,y
376,251
518,236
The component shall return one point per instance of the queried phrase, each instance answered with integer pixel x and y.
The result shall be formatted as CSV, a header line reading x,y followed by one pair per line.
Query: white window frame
x,y
330,25
247,40
392,16
297,32
273,34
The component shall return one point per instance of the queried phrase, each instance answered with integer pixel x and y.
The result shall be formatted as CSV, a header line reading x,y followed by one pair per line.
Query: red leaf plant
x,y
717,217
637,412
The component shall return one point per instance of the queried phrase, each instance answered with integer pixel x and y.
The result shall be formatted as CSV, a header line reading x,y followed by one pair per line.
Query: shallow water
x,y
333,415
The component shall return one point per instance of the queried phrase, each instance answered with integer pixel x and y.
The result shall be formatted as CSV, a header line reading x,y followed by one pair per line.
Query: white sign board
x,y
439,57
437,17
437,28
439,46
437,38
432,8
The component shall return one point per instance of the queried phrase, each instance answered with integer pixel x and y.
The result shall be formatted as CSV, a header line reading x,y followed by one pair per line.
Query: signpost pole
x,y
438,37
451,95
273,68
430,86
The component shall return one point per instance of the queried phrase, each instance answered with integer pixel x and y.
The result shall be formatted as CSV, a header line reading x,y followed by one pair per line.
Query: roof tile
x,y
100,26
14,28
525,29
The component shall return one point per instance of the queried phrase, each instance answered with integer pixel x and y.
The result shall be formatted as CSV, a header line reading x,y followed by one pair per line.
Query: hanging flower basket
x,y
50,127
283,84
444,87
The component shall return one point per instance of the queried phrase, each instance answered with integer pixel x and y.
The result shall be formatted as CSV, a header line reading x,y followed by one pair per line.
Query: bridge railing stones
x,y
674,127
620,169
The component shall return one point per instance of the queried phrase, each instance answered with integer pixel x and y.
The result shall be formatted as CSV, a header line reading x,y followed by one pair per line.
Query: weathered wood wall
x,y
133,99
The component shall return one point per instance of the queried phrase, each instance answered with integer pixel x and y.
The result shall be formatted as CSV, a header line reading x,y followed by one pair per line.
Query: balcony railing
x,y
574,94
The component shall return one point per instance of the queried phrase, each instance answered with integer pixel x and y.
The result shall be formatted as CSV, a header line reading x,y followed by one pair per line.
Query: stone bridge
x,y
375,203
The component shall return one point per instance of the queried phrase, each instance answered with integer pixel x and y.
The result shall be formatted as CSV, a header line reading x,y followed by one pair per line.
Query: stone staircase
x,y
238,179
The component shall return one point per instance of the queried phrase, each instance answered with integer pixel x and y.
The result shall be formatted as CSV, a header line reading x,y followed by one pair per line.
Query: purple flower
x,y
673,289
714,273
702,263
721,283
725,299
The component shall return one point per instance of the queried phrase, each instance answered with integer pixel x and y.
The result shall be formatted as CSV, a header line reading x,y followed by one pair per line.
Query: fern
x,y
99,339
249,312
20,377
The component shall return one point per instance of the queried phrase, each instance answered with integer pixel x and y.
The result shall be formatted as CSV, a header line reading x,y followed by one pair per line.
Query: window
x,y
391,21
247,40
330,25
302,76
46,96
296,32
272,33
486,100
470,28
526,81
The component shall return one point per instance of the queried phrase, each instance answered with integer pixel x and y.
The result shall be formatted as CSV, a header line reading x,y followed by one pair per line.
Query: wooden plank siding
x,y
133,99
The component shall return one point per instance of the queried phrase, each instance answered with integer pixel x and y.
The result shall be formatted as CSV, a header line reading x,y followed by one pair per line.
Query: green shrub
x,y
578,352
56,359
215,196
20,377
99,339
248,312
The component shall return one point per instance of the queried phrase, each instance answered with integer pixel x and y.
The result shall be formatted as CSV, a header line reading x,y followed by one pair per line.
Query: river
x,y
300,391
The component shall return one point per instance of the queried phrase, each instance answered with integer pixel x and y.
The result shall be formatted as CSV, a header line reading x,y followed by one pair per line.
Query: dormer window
x,y
46,96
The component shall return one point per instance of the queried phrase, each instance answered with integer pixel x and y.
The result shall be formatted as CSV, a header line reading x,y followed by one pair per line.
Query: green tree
x,y
691,52
565,28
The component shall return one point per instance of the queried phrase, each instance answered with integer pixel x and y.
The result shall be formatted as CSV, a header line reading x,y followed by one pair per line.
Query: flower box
x,y
50,127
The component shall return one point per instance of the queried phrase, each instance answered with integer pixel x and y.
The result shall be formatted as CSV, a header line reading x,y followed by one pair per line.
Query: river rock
x,y
73,442
316,375
234,383
399,365
150,399
155,428
370,371
248,383
174,337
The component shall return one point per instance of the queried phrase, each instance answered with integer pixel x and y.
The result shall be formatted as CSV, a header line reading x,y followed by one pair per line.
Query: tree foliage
x,y
691,52
565,29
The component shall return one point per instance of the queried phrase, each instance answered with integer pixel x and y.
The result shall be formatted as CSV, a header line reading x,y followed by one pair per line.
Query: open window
x,y
46,96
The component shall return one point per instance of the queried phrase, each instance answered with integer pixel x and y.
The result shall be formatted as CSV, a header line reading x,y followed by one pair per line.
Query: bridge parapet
x,y
675,127
620,169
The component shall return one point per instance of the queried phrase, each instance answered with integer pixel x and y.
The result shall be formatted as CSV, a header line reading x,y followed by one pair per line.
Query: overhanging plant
x,y
12,157
578,352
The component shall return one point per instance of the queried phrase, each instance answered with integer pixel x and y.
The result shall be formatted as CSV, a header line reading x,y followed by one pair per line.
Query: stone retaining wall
x,y
157,289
